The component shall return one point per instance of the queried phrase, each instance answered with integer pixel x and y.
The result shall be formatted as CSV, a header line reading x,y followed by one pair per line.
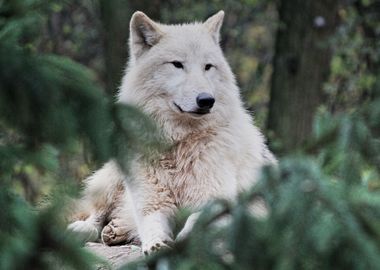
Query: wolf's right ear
x,y
213,25
144,33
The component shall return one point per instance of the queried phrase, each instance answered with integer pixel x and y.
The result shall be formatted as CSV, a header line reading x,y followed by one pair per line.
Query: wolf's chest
x,y
182,162
184,168
194,173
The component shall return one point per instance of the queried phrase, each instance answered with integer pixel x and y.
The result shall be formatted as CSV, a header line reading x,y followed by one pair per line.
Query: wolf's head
x,y
178,74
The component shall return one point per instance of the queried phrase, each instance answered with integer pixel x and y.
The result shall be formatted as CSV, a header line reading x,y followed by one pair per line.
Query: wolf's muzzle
x,y
205,101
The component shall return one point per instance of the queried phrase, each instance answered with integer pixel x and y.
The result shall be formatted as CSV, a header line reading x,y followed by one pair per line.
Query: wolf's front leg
x,y
156,231
154,207
155,216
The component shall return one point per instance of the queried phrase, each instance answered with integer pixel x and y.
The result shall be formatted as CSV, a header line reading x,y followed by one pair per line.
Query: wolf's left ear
x,y
213,25
144,33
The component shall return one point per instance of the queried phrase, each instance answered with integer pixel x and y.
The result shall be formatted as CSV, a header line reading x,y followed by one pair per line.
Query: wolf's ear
x,y
144,33
213,25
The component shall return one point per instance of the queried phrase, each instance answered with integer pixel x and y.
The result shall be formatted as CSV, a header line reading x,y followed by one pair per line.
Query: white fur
x,y
85,230
155,231
216,155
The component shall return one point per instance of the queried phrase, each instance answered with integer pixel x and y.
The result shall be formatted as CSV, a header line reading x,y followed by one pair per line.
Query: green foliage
x,y
47,105
35,240
133,132
356,53
41,97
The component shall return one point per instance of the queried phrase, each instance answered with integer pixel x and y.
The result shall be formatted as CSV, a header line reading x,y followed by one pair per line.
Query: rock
x,y
116,256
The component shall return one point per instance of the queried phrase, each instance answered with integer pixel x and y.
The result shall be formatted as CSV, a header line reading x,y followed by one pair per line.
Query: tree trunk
x,y
115,15
301,66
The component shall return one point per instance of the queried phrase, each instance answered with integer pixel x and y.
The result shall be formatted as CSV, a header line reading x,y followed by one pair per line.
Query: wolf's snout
x,y
205,101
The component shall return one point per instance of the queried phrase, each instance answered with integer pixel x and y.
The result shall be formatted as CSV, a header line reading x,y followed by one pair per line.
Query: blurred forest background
x,y
308,70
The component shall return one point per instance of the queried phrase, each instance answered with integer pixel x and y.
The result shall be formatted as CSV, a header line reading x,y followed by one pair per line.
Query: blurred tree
x,y
72,29
355,67
369,14
115,16
48,105
300,67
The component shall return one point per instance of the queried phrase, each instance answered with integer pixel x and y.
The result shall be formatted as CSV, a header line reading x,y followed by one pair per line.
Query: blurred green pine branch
x,y
48,104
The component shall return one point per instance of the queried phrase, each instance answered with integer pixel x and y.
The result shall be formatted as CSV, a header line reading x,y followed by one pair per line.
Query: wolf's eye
x,y
177,64
208,66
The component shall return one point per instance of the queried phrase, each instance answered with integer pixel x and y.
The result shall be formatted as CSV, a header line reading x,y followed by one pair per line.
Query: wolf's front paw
x,y
156,244
84,231
155,232
114,233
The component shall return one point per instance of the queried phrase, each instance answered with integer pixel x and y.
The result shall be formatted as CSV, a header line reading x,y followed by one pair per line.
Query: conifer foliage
x,y
47,104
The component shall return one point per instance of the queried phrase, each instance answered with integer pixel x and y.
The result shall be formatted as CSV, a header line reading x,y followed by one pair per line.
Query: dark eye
x,y
208,66
177,64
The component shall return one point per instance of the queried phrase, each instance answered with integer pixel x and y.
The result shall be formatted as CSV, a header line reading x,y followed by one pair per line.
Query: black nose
x,y
205,101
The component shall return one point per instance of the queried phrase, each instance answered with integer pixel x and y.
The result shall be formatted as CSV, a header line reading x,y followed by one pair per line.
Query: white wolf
x,y
178,75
